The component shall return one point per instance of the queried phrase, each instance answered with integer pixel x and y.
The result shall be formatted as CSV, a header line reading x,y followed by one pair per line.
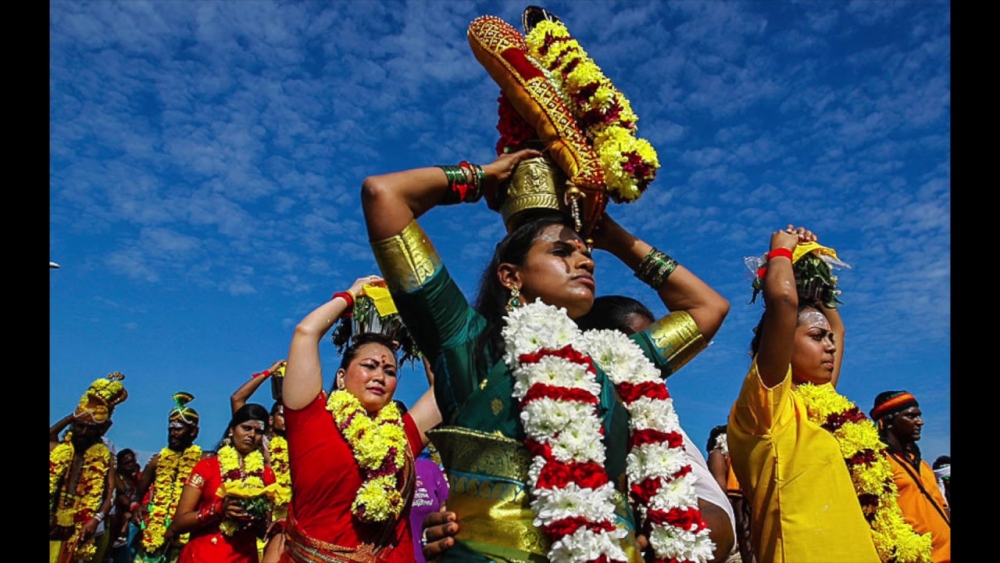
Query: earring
x,y
514,302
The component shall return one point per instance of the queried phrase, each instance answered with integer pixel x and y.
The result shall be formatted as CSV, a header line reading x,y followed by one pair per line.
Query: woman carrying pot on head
x,y
224,504
809,461
351,452
493,429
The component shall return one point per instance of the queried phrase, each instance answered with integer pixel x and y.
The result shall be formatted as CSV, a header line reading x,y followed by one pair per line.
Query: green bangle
x,y
655,268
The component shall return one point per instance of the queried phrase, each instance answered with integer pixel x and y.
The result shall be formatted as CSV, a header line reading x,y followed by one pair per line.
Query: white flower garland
x,y
572,496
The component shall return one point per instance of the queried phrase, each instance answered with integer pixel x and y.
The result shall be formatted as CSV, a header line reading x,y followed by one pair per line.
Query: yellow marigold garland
x,y
172,470
282,474
90,490
865,455
379,447
245,482
602,111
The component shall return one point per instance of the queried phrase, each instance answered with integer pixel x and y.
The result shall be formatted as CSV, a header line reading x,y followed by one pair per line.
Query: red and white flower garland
x,y
556,384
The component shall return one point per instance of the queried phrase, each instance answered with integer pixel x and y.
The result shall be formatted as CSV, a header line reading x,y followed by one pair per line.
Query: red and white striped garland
x,y
572,496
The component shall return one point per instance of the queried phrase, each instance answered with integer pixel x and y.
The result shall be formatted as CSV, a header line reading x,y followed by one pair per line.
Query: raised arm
x,y
303,374
391,201
680,291
241,395
58,427
781,307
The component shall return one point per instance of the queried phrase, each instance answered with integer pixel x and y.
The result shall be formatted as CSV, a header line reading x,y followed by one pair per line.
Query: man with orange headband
x,y
899,420
81,474
166,472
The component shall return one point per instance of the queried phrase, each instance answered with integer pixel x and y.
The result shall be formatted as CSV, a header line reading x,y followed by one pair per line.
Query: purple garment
x,y
431,492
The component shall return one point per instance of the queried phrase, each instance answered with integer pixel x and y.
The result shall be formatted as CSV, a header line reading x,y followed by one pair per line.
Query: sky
x,y
206,158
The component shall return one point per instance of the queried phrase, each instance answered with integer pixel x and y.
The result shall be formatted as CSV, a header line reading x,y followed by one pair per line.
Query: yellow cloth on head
x,y
806,247
382,298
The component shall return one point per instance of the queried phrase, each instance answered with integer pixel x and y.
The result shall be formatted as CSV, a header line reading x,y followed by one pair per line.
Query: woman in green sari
x,y
484,444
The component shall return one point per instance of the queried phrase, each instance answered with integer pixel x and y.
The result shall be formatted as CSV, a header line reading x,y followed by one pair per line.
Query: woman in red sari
x,y
351,452
222,530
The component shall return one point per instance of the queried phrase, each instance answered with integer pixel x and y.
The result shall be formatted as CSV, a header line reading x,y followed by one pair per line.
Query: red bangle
x,y
779,252
346,295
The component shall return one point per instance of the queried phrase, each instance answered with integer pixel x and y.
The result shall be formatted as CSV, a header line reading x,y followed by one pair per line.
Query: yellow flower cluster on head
x,y
89,491
894,539
172,470
605,115
612,146
379,447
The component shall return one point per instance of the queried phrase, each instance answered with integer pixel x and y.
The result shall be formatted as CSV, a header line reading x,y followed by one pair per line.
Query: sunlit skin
x,y
371,377
246,436
813,349
558,269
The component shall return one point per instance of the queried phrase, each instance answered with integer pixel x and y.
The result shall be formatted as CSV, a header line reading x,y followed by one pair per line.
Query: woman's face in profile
x,y
813,349
558,270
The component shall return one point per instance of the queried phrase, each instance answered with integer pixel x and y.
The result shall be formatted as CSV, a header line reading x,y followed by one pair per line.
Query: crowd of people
x,y
332,475
547,431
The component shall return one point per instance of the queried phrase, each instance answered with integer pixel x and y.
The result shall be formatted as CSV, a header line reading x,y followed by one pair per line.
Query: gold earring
x,y
514,301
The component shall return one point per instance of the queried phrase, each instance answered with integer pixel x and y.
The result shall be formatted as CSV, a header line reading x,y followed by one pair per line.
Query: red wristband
x,y
780,252
346,296
259,374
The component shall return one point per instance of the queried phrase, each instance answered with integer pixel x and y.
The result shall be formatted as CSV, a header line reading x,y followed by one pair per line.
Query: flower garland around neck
x,y
601,110
90,488
246,482
172,470
379,447
722,444
865,455
282,474
572,495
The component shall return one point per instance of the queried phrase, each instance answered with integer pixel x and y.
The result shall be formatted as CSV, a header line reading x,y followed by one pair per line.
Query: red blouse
x,y
209,544
325,480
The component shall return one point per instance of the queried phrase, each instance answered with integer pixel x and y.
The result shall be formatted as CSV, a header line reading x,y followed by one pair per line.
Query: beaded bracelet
x,y
655,268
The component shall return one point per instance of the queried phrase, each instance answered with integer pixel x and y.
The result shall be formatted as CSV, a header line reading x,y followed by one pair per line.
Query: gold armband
x,y
677,339
408,259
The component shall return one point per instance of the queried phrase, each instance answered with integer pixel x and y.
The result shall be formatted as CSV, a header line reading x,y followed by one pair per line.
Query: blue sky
x,y
206,161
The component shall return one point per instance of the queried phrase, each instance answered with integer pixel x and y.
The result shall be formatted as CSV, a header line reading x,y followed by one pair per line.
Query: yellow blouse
x,y
803,504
